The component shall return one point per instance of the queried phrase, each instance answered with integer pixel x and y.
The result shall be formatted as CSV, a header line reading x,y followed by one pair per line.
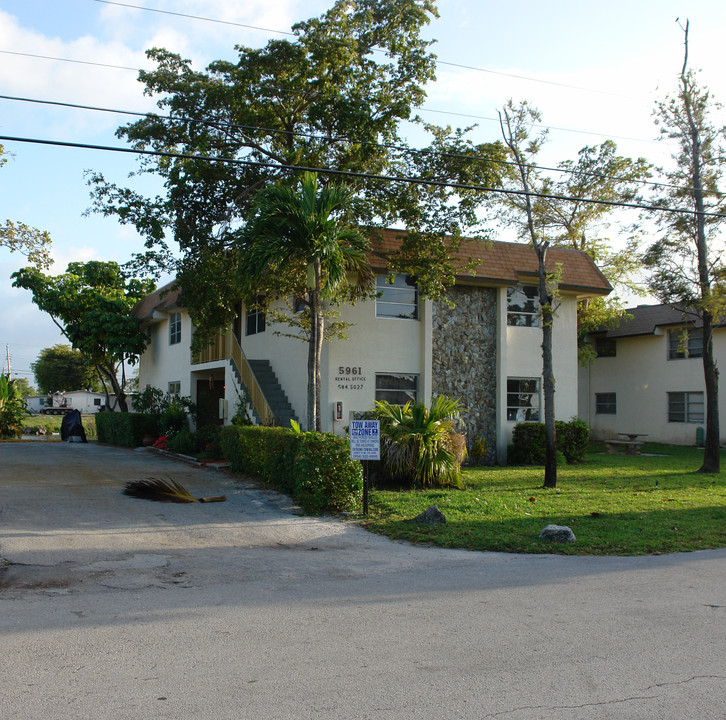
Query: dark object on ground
x,y
164,491
431,515
558,533
72,428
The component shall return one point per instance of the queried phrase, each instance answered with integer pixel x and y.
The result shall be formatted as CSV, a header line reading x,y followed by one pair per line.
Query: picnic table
x,y
631,446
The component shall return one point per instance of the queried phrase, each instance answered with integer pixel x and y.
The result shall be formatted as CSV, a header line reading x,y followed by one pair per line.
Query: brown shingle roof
x,y
646,318
144,309
505,263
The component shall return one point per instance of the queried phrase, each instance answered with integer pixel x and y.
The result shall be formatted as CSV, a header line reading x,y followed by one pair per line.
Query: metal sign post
x,y
365,445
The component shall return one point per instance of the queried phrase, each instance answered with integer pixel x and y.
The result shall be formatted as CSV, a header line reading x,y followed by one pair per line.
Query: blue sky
x,y
594,70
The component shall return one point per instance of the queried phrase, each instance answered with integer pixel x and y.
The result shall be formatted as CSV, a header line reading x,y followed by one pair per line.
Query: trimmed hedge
x,y
529,447
315,468
125,429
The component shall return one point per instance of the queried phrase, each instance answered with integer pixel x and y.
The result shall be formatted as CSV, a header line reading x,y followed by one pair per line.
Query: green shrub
x,y
314,468
325,476
572,439
183,442
12,408
529,445
420,445
124,429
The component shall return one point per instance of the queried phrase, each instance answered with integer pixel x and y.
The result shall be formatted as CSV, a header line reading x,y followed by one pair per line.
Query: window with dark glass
x,y
523,399
174,328
397,388
523,306
255,320
605,346
397,298
605,404
685,407
174,389
685,343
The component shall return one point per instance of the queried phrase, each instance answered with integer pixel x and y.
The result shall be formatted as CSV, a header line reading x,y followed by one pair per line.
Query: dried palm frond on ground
x,y
164,491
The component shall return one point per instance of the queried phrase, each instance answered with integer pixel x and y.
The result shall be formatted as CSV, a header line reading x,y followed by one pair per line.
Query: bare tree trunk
x,y
712,453
315,351
548,375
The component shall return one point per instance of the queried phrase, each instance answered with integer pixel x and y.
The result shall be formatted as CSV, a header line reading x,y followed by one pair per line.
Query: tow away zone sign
x,y
365,439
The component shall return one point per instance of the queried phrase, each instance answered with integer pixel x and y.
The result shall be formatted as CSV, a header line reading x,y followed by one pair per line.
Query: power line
x,y
359,175
438,62
297,133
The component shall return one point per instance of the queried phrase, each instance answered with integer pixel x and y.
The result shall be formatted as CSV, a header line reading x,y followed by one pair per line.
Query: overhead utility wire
x,y
438,62
349,173
424,109
312,136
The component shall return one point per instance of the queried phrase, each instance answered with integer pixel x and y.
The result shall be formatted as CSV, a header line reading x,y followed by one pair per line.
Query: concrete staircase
x,y
272,390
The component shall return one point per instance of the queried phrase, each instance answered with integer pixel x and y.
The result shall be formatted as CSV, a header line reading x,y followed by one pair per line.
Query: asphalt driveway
x,y
114,607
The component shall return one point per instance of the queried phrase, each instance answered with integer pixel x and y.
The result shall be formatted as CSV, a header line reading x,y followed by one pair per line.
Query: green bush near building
x,y
315,468
125,429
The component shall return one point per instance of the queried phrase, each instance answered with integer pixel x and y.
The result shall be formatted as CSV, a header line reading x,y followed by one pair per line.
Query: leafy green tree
x,y
12,408
687,262
298,242
602,174
24,387
28,241
62,368
332,97
91,305
419,443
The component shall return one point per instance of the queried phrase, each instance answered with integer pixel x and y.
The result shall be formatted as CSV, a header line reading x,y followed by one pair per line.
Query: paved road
x,y
121,608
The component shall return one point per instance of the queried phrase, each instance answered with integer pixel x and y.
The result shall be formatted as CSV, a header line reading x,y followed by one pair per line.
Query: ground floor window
x,y
605,404
685,407
397,388
174,389
523,399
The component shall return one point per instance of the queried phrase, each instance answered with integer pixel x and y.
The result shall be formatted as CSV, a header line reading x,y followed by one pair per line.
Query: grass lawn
x,y
615,505
52,423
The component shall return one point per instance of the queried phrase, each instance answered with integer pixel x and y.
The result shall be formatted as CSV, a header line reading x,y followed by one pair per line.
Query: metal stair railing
x,y
225,347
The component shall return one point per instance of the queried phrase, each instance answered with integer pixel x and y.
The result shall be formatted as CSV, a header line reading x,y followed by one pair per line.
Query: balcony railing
x,y
224,346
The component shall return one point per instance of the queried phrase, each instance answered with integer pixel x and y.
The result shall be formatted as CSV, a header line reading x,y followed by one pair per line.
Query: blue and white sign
x,y
365,439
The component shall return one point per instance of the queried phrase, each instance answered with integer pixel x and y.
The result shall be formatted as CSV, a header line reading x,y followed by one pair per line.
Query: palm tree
x,y
296,239
421,444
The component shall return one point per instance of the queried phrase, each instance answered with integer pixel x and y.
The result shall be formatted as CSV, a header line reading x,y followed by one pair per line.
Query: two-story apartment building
x,y
648,377
484,347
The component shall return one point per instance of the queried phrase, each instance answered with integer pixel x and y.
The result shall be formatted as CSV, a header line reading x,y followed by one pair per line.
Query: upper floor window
x,y
523,306
396,388
255,320
523,399
685,342
174,328
605,346
397,299
686,407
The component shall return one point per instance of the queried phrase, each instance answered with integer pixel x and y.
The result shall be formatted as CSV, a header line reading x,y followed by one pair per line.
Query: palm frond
x,y
159,489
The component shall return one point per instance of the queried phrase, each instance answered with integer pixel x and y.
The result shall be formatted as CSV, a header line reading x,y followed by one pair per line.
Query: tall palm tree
x,y
298,238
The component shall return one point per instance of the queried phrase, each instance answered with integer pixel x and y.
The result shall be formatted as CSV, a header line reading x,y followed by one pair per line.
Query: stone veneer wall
x,y
464,344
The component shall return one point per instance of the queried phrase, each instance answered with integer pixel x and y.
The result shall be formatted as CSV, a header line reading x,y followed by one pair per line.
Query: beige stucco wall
x,y
521,357
641,376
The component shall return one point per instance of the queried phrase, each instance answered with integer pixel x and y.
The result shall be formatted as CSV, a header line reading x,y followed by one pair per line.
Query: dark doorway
x,y
209,393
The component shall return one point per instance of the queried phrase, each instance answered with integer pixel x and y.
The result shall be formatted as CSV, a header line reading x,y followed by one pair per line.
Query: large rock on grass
x,y
557,533
431,515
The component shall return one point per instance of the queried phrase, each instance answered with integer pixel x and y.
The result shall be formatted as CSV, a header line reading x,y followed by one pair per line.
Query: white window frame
x,y
526,312
175,328
255,320
391,303
693,407
691,348
174,389
517,412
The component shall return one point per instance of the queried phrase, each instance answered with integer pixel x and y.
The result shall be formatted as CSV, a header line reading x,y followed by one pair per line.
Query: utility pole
x,y
7,352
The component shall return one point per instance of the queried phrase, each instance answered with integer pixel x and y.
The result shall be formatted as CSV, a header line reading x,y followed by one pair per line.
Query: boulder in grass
x,y
431,515
557,533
